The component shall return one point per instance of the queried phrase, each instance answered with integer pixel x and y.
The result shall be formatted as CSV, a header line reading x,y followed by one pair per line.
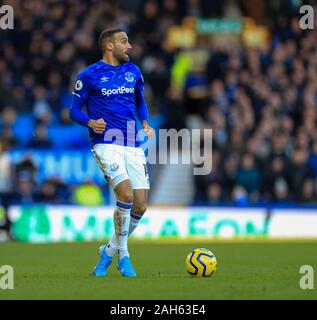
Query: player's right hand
x,y
98,126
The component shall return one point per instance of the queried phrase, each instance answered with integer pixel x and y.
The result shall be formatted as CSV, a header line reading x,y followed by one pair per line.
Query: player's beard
x,y
120,55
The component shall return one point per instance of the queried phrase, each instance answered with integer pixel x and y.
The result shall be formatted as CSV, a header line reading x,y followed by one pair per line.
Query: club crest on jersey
x,y
114,167
129,76
78,85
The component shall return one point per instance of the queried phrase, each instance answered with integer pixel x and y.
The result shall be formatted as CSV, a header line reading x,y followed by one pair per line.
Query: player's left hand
x,y
150,132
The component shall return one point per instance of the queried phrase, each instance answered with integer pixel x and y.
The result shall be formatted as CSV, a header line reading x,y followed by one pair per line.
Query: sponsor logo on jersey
x,y
121,90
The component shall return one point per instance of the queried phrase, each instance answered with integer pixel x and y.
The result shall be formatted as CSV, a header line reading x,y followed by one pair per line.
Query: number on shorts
x,y
145,170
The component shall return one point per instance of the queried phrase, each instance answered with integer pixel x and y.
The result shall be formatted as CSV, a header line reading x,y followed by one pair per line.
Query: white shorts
x,y
119,163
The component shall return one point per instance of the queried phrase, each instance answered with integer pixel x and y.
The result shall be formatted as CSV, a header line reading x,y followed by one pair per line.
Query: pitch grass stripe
x,y
191,262
222,241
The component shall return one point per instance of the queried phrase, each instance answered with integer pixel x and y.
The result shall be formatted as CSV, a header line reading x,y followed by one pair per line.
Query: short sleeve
x,y
83,85
140,80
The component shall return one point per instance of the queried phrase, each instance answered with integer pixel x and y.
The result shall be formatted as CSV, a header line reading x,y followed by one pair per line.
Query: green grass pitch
x,y
246,270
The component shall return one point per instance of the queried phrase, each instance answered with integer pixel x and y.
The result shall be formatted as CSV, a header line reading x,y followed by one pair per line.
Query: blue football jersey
x,y
114,93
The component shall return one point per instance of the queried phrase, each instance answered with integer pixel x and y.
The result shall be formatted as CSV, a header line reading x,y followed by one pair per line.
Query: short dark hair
x,y
105,35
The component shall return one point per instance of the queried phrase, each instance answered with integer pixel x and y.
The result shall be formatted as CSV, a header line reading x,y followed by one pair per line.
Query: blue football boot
x,y
103,264
125,267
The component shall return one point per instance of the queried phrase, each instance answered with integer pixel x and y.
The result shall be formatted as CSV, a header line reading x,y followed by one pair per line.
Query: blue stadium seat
x,y
24,127
68,136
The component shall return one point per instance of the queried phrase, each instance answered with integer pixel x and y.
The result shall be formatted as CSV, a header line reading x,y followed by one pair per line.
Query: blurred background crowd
x,y
243,68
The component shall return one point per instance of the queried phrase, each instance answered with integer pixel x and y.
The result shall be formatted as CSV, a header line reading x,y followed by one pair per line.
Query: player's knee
x,y
126,197
139,208
124,192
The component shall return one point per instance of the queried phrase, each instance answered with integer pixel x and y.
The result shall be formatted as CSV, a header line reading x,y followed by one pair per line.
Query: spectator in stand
x,y
53,190
281,192
312,160
308,192
9,138
214,194
27,169
203,182
248,176
239,196
47,193
299,171
275,172
23,192
40,140
41,107
6,169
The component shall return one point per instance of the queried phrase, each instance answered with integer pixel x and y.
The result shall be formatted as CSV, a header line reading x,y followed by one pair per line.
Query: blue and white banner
x,y
71,166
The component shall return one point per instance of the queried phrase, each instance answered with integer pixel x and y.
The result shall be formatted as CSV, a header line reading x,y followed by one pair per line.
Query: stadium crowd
x,y
260,102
